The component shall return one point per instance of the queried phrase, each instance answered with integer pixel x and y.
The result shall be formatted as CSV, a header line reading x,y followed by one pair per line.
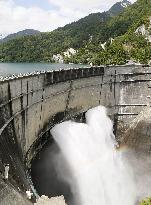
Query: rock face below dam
x,y
30,106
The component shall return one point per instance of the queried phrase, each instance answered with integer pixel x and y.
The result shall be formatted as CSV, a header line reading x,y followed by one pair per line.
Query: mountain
x,y
1,36
102,38
118,7
123,38
40,48
26,32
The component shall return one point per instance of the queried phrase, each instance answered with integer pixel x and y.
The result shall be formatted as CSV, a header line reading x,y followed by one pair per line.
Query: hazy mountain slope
x,y
118,7
26,32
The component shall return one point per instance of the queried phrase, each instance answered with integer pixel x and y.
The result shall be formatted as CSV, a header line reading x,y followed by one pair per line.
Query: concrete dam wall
x,y
30,106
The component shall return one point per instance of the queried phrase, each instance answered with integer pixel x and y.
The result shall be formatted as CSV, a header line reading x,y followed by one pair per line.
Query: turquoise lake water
x,y
15,68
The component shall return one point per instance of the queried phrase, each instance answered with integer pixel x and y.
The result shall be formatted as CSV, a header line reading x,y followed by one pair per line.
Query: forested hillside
x,y
131,31
100,38
40,48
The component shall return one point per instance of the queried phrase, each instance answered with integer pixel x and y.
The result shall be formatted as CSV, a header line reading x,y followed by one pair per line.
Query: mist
x,y
84,165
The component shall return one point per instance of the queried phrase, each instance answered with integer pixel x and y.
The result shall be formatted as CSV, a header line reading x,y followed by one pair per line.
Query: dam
x,y
31,105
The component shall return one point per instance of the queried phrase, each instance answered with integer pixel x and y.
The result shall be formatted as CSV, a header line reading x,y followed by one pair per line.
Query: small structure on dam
x,y
32,104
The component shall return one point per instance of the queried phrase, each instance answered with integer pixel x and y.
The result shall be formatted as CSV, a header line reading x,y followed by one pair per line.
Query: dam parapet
x,y
30,105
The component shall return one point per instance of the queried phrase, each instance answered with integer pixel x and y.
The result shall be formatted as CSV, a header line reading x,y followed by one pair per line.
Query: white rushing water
x,y
100,176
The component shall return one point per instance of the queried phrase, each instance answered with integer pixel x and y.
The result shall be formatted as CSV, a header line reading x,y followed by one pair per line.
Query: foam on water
x,y
100,176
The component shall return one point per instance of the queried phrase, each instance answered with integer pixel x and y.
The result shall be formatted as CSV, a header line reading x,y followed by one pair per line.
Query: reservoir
x,y
16,68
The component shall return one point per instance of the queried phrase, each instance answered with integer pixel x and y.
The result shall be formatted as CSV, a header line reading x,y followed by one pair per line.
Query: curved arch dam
x,y
30,106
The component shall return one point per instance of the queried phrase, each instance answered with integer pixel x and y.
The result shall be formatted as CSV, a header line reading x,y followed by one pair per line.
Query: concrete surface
x,y
31,105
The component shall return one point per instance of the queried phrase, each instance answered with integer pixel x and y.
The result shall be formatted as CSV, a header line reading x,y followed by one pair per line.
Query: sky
x,y
46,15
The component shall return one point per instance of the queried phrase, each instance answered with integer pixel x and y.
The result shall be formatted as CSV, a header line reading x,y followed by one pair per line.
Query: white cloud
x,y
86,6
14,17
82,5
